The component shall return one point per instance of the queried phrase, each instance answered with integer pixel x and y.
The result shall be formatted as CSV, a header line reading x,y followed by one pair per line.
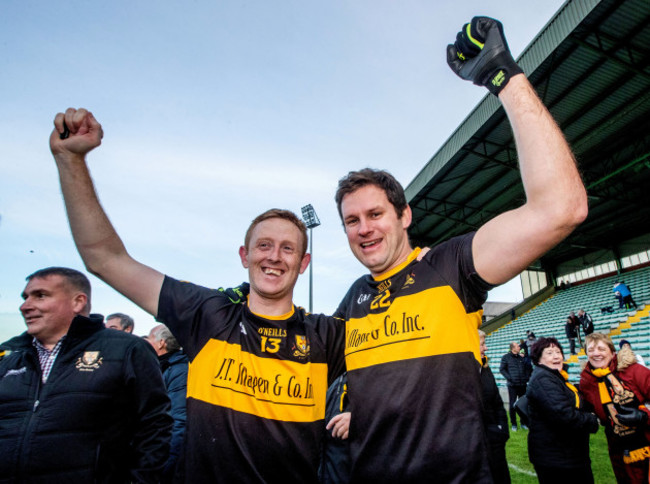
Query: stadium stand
x,y
590,64
549,317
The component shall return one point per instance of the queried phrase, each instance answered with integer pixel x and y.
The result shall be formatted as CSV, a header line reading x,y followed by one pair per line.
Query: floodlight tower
x,y
311,221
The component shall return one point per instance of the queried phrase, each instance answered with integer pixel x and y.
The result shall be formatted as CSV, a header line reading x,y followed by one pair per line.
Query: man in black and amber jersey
x,y
412,349
259,367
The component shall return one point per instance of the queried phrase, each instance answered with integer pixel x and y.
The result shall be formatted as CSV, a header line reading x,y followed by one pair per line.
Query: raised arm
x,y
100,247
556,200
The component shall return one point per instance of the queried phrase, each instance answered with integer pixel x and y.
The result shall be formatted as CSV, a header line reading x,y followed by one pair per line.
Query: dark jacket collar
x,y
82,326
178,357
552,370
173,358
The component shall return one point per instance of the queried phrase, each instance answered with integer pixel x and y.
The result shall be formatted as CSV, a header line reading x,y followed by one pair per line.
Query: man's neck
x,y
405,254
269,307
49,344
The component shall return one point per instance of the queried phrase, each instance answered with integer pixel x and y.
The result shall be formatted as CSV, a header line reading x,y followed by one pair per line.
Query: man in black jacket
x,y
586,322
78,402
514,370
494,418
572,329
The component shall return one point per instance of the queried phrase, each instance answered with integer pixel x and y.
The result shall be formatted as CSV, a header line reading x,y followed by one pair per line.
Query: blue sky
x,y
214,111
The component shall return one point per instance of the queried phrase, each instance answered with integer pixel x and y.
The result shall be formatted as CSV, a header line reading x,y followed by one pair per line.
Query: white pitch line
x,y
523,471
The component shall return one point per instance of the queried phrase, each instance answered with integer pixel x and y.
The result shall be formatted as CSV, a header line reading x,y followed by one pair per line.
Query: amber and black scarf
x,y
565,375
614,395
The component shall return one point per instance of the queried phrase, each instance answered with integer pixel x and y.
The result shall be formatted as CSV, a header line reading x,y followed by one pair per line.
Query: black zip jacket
x,y
514,370
559,432
494,413
101,417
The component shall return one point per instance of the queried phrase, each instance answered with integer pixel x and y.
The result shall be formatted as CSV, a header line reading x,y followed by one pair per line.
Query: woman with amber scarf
x,y
558,441
618,387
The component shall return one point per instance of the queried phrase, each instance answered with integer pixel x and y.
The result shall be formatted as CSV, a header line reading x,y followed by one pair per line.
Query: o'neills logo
x,y
90,361
301,347
384,285
273,332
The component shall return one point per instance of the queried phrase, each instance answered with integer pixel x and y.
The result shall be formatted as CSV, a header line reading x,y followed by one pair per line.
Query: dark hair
x,y
369,176
284,215
126,321
540,345
73,277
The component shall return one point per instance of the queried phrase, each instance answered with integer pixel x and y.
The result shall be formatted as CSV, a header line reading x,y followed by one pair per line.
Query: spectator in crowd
x,y
78,403
529,342
120,322
494,418
558,442
572,329
273,361
624,295
174,366
335,461
523,344
586,322
626,344
523,347
617,388
514,370
416,317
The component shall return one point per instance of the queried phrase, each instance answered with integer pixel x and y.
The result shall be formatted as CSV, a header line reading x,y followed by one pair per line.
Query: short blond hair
x,y
284,215
596,337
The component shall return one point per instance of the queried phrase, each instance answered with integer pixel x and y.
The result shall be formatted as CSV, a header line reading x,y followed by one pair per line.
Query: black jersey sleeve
x,y
334,329
182,306
344,306
454,260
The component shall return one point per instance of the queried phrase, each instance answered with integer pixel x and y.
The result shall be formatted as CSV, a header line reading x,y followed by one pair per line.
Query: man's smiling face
x,y
50,304
377,237
274,259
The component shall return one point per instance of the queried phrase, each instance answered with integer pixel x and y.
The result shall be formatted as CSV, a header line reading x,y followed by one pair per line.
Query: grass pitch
x,y
522,471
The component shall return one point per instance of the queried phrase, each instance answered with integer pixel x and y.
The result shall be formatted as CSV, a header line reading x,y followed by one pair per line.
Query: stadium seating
x,y
549,317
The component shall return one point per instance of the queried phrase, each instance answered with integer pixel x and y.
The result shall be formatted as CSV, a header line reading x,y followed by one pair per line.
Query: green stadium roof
x,y
590,65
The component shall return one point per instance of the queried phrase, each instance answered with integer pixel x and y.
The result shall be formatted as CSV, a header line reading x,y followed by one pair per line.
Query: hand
x,y
340,425
481,55
632,417
237,294
85,133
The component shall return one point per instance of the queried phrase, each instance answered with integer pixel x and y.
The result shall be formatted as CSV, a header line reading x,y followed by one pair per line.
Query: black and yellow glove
x,y
481,55
237,295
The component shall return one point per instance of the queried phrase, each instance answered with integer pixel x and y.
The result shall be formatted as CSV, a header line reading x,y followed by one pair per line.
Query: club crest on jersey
x,y
301,347
410,280
89,361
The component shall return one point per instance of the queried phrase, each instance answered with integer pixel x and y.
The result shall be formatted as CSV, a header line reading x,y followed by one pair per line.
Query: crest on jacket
x,y
89,361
